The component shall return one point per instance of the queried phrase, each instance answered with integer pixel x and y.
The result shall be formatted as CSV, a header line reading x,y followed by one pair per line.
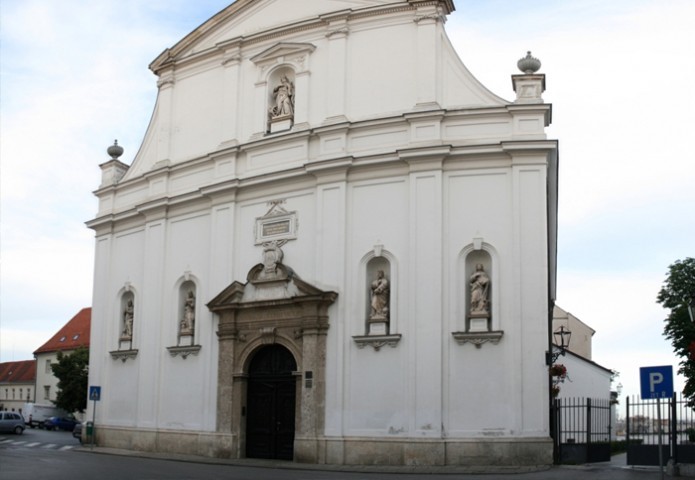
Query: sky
x,y
619,74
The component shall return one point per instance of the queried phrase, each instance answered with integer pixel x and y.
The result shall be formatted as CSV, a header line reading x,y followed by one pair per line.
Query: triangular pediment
x,y
230,295
281,50
264,285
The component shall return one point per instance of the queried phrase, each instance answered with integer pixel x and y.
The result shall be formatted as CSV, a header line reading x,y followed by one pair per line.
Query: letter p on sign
x,y
656,382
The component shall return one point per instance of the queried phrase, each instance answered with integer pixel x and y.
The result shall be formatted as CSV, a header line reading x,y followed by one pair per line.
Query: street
x,y
45,455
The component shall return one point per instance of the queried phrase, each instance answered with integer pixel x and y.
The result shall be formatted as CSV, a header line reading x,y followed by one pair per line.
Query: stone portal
x,y
273,308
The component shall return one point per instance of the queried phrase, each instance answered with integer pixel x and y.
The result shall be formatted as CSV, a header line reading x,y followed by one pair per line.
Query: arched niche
x,y
378,267
479,292
283,58
127,315
186,312
281,99
378,305
126,324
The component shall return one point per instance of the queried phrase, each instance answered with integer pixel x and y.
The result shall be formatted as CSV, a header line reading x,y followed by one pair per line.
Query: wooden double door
x,y
271,402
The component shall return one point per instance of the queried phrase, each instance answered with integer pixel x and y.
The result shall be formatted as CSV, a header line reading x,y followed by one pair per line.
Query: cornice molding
x,y
184,351
377,341
478,338
124,355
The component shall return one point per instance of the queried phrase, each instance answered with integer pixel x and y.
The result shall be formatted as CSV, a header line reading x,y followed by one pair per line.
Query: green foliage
x,y
674,294
620,446
72,371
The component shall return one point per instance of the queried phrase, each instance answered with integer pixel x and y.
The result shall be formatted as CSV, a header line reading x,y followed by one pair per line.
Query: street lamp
x,y
562,338
690,303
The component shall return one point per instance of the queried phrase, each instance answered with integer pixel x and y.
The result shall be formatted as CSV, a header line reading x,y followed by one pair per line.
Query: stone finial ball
x,y
115,150
529,64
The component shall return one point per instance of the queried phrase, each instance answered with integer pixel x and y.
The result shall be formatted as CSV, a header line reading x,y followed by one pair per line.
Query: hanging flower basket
x,y
558,370
555,390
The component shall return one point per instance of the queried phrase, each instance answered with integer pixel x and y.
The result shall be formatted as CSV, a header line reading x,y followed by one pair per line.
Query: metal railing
x,y
642,430
582,430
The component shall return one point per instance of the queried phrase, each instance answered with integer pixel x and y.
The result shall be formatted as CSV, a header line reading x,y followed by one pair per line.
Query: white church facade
x,y
334,245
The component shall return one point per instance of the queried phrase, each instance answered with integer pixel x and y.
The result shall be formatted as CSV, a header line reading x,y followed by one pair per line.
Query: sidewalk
x,y
616,468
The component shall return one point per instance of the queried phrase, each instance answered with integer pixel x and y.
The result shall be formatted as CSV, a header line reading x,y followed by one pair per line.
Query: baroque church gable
x,y
218,87
344,139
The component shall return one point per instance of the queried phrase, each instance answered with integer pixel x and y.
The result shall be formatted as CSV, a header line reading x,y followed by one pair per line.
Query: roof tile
x,y
22,371
74,334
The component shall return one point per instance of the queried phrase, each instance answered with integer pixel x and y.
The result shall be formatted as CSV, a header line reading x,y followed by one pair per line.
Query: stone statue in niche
x,y
188,321
284,99
480,287
128,314
380,297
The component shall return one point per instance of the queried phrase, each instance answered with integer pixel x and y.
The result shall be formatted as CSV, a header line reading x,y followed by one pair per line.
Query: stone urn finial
x,y
115,150
529,65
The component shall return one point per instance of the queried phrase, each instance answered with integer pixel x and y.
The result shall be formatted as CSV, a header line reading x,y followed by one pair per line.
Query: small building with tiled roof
x,y
71,336
17,384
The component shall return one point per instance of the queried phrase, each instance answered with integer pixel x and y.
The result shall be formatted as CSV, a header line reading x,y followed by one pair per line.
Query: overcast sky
x,y
619,73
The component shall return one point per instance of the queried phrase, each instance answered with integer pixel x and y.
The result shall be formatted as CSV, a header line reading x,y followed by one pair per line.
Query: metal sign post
x,y
661,453
657,382
95,396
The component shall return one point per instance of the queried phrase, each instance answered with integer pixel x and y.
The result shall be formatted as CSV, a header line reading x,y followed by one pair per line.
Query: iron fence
x,y
582,430
642,428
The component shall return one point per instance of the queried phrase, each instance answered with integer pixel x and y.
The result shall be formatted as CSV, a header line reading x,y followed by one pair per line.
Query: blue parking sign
x,y
656,382
95,393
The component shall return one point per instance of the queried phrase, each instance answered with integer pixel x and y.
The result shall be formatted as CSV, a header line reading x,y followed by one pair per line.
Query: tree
x,y
674,295
72,372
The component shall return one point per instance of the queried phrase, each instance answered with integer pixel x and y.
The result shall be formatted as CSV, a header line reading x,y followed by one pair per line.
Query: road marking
x,y
25,443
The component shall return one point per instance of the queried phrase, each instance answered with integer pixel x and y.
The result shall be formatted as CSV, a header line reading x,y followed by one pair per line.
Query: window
x,y
13,394
47,392
48,366
28,394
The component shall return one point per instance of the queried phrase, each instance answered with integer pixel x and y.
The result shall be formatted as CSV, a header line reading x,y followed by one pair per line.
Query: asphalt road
x,y
41,455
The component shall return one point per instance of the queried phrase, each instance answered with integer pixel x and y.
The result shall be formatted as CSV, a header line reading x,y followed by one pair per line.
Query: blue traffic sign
x,y
656,382
95,393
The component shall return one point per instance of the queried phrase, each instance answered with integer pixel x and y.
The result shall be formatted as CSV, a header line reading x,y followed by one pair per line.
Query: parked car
x,y
60,423
12,422
35,415
77,432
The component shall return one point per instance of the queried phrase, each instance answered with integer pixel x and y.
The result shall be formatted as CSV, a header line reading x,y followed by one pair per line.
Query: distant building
x,y
17,384
585,378
71,336
582,333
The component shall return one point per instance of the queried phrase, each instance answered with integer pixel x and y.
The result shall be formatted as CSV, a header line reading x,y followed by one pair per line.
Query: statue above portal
x,y
272,256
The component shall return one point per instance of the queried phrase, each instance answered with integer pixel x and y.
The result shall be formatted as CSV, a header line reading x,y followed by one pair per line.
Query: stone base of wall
x,y
204,444
414,451
345,450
